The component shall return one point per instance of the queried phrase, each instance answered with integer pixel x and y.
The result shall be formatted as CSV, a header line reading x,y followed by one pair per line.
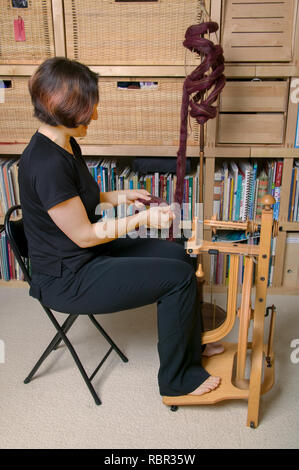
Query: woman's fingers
x,y
160,217
141,193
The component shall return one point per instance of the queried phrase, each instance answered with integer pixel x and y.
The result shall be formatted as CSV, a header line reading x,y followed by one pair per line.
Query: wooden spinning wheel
x,y
231,365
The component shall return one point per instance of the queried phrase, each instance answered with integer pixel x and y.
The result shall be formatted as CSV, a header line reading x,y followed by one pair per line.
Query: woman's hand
x,y
132,195
124,196
159,217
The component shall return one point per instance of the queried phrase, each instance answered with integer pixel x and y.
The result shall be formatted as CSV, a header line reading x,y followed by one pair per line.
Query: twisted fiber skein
x,y
197,84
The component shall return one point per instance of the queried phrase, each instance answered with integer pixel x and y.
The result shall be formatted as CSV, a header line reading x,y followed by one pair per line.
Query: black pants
x,y
134,273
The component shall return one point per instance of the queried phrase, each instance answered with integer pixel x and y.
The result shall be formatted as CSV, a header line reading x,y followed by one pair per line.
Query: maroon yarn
x,y
152,200
199,82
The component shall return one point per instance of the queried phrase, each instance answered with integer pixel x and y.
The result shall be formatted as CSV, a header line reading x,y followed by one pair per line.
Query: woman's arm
x,y
71,217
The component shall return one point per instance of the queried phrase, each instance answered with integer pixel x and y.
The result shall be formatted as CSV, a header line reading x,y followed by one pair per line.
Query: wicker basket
x,y
17,123
139,116
105,32
126,116
39,43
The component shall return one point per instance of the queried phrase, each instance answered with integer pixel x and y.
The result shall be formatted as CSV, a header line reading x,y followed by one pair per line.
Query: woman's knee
x,y
181,272
177,251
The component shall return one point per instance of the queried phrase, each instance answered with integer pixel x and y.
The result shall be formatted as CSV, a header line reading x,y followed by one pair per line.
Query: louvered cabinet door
x,y
258,31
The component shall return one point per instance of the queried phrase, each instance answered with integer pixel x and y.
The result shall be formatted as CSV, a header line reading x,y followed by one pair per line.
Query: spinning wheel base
x,y
223,365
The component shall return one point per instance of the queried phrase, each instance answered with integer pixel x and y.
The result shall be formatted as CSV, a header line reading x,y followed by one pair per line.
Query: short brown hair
x,y
64,92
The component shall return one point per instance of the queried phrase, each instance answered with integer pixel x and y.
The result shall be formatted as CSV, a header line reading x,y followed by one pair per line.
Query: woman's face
x,y
81,130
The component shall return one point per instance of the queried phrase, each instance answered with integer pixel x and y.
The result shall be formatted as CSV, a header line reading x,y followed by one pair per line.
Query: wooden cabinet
x,y
142,41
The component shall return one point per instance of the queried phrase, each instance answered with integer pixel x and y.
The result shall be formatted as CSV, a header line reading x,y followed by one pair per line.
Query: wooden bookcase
x,y
257,119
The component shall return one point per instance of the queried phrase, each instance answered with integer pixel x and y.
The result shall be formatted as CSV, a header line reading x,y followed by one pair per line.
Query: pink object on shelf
x,y
19,29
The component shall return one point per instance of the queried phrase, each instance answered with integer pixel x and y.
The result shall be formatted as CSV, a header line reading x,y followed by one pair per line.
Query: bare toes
x,y
210,384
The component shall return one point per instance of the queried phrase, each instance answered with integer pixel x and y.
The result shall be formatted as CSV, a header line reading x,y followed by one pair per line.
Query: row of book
x,y
162,185
238,190
9,267
9,188
110,178
9,196
240,186
220,263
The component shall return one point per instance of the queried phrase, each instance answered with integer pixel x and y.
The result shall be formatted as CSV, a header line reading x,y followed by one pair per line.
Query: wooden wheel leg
x,y
259,314
245,315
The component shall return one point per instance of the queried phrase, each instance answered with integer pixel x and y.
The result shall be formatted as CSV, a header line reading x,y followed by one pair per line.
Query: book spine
x,y
6,185
190,205
278,176
293,194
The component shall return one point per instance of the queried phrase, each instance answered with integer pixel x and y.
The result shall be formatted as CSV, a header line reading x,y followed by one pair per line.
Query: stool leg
x,y
71,349
53,345
107,337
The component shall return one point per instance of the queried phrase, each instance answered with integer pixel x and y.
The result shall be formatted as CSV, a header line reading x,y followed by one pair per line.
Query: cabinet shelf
x,y
231,70
13,283
171,151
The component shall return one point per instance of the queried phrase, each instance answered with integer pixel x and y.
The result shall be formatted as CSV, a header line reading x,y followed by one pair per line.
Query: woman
x,y
82,264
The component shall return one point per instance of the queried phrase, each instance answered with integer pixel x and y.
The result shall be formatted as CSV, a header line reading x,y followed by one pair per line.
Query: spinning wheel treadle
x,y
230,365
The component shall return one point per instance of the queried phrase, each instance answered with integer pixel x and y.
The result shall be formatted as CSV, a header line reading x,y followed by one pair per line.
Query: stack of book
x,y
240,186
9,196
9,267
9,188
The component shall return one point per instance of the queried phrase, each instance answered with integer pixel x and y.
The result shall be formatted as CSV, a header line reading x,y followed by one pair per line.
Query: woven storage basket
x,y
39,43
103,32
17,123
139,116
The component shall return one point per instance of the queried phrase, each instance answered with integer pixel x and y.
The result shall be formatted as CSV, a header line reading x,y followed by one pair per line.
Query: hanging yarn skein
x,y
196,85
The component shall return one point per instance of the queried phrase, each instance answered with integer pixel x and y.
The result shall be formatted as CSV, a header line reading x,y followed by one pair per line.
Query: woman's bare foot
x,y
213,348
207,386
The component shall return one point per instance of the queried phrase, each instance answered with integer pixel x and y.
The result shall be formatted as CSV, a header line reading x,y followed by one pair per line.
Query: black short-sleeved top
x,y
49,175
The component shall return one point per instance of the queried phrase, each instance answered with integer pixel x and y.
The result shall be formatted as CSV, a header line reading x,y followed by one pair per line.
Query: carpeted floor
x,y
56,410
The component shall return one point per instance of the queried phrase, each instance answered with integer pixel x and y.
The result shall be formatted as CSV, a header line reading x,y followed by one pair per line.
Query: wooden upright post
x,y
259,313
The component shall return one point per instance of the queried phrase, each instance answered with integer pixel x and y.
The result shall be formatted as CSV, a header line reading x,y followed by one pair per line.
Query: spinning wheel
x,y
231,364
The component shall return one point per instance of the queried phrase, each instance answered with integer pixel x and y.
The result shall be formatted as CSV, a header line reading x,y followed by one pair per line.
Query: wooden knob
x,y
267,201
199,273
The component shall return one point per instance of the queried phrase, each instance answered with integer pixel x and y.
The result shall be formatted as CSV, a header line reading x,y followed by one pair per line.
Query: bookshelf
x,y
277,77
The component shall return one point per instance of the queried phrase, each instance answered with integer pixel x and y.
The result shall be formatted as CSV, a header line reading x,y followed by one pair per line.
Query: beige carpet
x,y
56,410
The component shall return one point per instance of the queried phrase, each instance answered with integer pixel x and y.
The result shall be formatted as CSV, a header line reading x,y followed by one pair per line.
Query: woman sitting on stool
x,y
81,263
